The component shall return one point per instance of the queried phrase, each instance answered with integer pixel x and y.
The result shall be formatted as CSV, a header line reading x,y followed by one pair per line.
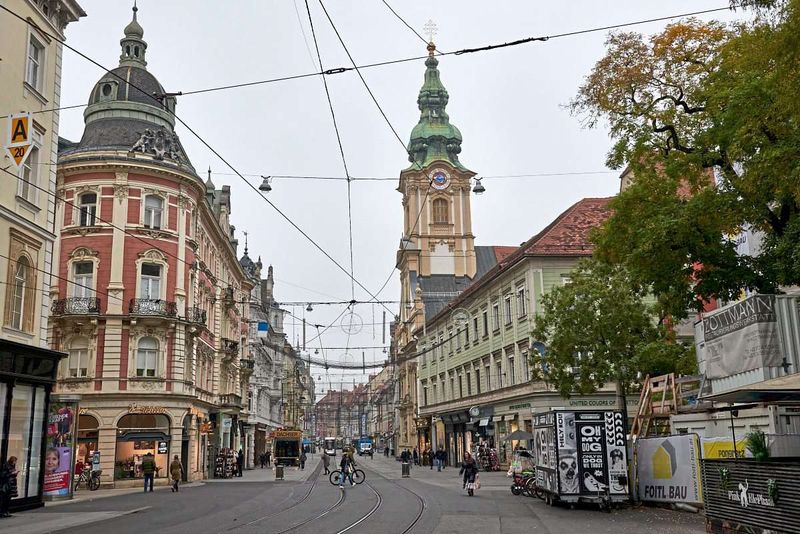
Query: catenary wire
x,y
206,144
417,58
341,151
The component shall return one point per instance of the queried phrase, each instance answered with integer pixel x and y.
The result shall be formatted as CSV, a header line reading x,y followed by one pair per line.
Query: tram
x,y
330,446
287,447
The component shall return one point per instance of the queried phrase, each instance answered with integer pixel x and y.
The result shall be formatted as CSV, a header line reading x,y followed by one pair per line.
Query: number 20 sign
x,y
19,137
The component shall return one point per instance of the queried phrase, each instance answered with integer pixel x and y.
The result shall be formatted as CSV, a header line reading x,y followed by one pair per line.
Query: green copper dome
x,y
434,138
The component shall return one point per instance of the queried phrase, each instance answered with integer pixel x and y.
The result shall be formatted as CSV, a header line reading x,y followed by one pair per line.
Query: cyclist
x,y
347,465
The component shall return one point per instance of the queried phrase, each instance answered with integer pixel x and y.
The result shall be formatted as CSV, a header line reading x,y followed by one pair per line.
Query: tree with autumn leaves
x,y
706,117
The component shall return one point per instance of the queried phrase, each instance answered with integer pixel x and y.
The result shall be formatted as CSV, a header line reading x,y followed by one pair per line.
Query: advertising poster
x,y
590,430
669,469
616,453
58,455
567,453
544,451
741,337
722,448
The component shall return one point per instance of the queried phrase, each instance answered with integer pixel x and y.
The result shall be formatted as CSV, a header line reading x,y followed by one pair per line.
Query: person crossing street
x,y
326,462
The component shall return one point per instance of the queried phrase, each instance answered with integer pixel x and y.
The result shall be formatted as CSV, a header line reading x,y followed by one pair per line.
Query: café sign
x,y
135,408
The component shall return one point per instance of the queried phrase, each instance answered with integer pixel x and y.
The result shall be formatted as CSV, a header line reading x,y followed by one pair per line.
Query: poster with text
x,y
669,469
567,453
592,470
616,453
58,455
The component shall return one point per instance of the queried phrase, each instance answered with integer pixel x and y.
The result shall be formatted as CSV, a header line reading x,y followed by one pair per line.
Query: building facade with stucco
x,y
150,303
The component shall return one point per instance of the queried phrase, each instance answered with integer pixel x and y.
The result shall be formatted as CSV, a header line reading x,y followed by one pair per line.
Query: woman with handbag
x,y
470,471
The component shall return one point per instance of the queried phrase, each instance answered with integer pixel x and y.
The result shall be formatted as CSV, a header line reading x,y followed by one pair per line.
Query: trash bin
x,y
406,470
278,472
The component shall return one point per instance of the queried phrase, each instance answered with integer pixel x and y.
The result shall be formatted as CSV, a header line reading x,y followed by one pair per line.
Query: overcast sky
x,y
508,104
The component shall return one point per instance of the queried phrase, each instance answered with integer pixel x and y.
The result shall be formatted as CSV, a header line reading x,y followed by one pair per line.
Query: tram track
x,y
282,510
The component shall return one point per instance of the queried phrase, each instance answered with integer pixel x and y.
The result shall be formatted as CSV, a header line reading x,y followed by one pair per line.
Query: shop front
x,y
139,435
27,377
423,434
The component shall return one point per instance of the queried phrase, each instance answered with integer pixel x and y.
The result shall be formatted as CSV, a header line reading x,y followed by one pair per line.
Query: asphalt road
x,y
428,502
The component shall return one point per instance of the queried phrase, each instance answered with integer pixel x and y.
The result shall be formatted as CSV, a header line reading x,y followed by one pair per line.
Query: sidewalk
x,y
84,495
447,478
290,474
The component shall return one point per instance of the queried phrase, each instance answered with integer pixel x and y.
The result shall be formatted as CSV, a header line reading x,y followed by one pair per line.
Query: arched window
x,y
88,209
153,208
19,293
440,211
146,356
78,361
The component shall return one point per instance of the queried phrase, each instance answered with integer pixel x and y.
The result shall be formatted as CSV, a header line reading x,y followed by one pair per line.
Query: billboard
x,y
60,445
741,337
668,469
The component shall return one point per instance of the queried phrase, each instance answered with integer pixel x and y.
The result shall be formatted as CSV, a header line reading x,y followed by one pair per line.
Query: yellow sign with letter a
x,y
19,137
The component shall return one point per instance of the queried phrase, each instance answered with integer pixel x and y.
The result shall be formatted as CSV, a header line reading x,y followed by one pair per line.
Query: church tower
x,y
437,243
436,258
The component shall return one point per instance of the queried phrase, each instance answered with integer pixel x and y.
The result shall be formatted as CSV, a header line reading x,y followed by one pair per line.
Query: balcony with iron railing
x,y
153,308
196,315
230,400
76,306
230,347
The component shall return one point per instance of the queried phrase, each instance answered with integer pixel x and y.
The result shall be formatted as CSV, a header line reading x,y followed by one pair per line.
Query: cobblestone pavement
x,y
306,502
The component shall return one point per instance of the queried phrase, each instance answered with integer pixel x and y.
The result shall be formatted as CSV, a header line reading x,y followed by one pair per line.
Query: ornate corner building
x,y
150,303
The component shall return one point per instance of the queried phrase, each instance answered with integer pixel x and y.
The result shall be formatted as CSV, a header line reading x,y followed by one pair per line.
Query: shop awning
x,y
781,389
483,422
142,436
497,418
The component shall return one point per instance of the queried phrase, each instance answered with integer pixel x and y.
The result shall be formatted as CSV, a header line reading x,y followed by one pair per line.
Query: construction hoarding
x,y
668,469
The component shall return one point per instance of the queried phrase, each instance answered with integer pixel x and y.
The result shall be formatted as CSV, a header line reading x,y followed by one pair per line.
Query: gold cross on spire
x,y
431,29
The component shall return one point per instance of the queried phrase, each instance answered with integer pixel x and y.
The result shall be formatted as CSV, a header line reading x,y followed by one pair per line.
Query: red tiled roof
x,y
502,253
567,235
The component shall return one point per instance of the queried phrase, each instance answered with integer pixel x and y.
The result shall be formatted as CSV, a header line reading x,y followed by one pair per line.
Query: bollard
x,y
406,470
278,472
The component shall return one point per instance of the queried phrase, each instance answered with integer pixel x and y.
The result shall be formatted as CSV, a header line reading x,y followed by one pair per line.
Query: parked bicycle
x,y
358,476
89,478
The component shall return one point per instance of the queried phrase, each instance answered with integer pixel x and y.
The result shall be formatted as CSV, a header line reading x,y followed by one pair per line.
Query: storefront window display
x,y
27,375
137,435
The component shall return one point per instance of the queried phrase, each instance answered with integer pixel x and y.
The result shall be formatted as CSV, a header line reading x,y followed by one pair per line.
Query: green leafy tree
x,y
707,118
597,329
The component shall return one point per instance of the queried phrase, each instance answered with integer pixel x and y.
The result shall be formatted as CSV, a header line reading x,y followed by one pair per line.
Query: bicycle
x,y
91,479
358,476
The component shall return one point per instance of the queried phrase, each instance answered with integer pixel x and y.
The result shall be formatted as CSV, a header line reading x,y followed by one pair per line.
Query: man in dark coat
x,y
239,463
148,470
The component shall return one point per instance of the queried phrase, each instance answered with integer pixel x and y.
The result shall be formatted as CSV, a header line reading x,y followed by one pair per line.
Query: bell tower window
x,y
440,211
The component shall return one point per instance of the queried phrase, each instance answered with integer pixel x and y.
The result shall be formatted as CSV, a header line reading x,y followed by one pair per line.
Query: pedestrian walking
x,y
386,451
303,459
269,457
8,485
262,459
239,463
415,456
326,462
440,456
470,470
175,472
148,471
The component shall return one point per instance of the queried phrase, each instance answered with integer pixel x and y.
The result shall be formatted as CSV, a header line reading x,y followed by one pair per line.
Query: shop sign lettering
x,y
519,406
745,498
142,409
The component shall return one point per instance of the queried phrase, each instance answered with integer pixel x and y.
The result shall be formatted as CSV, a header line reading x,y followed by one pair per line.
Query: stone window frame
x,y
437,211
22,246
89,214
66,373
35,168
153,256
38,85
134,337
163,223
81,254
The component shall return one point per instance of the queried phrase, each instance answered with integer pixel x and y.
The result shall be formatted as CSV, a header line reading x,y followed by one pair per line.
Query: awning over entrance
x,y
781,389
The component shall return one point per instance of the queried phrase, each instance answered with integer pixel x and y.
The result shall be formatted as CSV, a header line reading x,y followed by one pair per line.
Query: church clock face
x,y
440,179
